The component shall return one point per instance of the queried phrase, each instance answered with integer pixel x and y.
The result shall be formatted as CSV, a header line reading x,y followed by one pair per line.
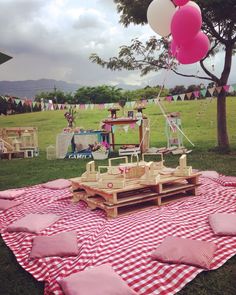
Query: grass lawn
x,y
199,124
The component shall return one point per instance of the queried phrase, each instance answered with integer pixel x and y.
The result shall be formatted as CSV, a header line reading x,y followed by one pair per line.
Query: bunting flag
x,y
196,93
132,125
129,104
175,97
218,89
107,127
189,95
203,92
139,122
231,89
182,96
169,98
226,88
126,128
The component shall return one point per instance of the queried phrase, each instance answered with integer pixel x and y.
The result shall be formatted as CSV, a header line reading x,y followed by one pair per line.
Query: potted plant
x,y
100,151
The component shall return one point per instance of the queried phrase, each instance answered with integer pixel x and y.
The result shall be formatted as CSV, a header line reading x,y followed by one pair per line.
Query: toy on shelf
x,y
183,169
19,142
90,174
173,133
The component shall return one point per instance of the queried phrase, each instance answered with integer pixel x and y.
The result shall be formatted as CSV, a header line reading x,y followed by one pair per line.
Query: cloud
x,y
54,39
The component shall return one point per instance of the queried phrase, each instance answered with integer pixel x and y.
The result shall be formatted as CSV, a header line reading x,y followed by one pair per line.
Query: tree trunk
x,y
222,134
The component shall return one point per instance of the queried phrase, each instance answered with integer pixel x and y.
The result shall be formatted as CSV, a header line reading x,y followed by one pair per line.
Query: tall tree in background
x,y
219,23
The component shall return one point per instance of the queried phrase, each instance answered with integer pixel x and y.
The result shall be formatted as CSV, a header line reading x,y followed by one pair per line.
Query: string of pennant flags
x,y
203,93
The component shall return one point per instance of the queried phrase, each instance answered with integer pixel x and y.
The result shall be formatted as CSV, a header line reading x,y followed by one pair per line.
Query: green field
x,y
199,124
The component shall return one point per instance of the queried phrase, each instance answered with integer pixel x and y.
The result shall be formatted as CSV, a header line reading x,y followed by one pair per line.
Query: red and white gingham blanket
x,y
125,242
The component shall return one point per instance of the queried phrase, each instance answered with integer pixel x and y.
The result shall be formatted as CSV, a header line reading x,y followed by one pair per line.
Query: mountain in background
x,y
29,88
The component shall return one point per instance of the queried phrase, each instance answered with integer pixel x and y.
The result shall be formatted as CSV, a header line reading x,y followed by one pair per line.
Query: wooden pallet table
x,y
134,196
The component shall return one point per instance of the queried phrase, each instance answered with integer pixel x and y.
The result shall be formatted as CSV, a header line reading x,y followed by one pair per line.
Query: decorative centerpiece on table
x,y
100,151
70,116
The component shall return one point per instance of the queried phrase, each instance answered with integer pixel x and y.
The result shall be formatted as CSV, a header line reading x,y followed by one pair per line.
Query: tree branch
x,y
191,76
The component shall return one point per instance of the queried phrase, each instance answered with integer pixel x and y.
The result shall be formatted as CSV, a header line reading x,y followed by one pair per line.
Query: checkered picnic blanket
x,y
125,242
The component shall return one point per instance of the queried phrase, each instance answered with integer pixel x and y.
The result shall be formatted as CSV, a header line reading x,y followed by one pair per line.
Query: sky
x,y
53,39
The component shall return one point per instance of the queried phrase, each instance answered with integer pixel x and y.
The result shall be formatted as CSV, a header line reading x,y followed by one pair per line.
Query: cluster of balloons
x,y
189,44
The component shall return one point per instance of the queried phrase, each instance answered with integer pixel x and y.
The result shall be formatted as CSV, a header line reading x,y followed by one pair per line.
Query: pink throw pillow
x,y
11,194
100,280
223,223
33,223
7,204
186,251
57,184
211,174
63,244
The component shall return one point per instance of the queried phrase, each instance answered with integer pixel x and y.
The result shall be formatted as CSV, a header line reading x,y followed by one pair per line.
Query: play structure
x,y
18,142
131,119
125,187
172,130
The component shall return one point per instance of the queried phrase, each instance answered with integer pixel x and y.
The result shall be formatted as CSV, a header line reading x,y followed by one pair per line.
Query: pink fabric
x,y
7,204
209,173
57,184
227,180
11,194
63,244
223,223
33,223
125,242
187,251
100,280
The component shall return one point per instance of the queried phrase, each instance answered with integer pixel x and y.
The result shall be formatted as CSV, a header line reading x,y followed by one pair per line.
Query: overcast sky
x,y
54,38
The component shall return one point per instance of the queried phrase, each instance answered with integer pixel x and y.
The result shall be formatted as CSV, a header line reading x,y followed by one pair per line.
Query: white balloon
x,y
193,4
159,16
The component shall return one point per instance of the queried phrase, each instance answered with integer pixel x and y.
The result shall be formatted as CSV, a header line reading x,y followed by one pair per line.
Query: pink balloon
x,y
185,24
195,50
180,2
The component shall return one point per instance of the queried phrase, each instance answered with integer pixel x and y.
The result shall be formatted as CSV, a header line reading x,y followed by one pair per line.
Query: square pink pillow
x,y
57,184
63,244
100,280
223,223
209,173
11,194
7,204
33,223
186,251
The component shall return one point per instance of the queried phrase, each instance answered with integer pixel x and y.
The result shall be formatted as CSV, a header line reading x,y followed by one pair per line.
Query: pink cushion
x,y
186,251
7,204
100,280
33,223
11,194
63,244
211,174
223,223
57,184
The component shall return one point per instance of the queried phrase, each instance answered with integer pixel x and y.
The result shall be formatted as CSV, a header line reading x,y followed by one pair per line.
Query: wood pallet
x,y
134,196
